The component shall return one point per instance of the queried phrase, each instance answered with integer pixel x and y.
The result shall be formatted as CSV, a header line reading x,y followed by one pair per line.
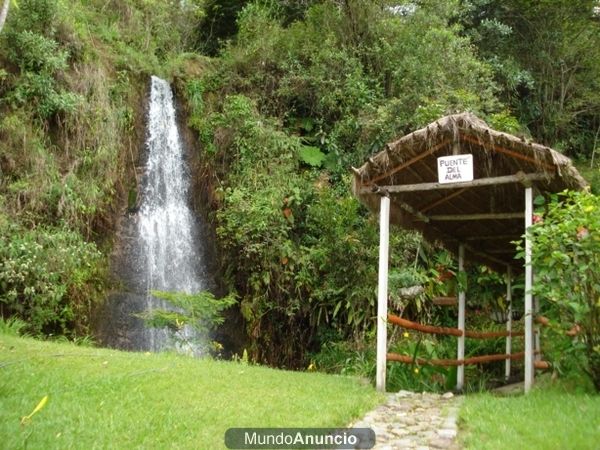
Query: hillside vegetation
x,y
284,97
73,79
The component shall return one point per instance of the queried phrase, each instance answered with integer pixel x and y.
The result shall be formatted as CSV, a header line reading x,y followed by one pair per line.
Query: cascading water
x,y
161,244
166,225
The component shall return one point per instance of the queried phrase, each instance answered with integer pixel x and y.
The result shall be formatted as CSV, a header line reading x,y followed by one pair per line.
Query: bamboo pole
x,y
382,291
454,362
448,331
528,294
424,328
460,375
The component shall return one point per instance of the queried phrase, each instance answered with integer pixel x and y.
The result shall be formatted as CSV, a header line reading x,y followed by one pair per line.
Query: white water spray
x,y
167,228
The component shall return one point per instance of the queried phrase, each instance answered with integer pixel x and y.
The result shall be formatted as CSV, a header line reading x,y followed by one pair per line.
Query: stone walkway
x,y
410,420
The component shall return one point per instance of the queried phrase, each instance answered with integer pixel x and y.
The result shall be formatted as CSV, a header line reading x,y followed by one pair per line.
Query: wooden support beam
x,y
382,291
494,237
442,200
485,255
500,251
482,216
491,181
508,321
412,211
529,373
537,347
460,374
445,301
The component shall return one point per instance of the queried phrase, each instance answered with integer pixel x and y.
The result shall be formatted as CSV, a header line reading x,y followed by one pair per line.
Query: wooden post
x,y
536,331
508,321
460,374
528,294
382,291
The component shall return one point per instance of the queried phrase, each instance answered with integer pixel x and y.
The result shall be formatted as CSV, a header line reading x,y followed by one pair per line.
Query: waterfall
x,y
162,244
166,225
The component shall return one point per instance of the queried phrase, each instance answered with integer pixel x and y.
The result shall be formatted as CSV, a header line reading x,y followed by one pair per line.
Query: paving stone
x,y
441,443
447,433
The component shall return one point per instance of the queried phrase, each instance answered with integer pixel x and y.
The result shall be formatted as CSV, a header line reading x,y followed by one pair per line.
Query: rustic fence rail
x,y
448,331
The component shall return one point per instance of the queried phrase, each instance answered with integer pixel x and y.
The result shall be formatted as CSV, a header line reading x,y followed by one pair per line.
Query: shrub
x,y
201,311
566,257
32,48
49,278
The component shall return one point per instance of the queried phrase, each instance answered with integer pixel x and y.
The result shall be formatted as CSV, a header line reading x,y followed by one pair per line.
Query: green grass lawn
x,y
101,398
549,417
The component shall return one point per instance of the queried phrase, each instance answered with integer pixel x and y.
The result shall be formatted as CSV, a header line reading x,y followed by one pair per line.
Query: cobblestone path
x,y
410,420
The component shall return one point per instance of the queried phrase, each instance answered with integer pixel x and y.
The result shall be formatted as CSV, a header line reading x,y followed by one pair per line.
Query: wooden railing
x,y
448,331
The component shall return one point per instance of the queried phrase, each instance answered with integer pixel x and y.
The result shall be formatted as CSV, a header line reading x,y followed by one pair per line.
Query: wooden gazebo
x,y
471,188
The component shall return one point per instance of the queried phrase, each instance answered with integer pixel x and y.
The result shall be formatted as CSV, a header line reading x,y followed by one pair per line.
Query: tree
x,y
4,13
546,55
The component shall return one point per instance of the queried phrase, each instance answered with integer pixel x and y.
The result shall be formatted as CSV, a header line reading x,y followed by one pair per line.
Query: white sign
x,y
455,169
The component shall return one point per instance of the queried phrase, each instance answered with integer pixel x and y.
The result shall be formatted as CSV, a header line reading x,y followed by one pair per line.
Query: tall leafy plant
x,y
566,257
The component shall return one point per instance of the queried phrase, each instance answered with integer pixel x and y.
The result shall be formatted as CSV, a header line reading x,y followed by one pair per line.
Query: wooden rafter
x,y
405,164
508,152
442,200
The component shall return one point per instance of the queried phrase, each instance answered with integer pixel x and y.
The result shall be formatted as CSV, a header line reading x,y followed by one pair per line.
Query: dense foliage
x,y
285,110
566,257
546,58
50,278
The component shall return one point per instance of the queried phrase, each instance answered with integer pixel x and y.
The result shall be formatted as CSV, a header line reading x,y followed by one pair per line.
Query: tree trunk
x,y
4,13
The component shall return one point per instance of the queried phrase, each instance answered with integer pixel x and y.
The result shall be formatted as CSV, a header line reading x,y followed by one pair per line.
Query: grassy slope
x,y
101,398
549,417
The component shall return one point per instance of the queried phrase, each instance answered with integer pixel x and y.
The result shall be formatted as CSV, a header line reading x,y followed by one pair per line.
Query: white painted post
x,y
528,295
508,321
536,331
382,291
460,374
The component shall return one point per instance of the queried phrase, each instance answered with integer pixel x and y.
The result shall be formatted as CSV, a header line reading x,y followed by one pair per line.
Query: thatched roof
x,y
485,217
